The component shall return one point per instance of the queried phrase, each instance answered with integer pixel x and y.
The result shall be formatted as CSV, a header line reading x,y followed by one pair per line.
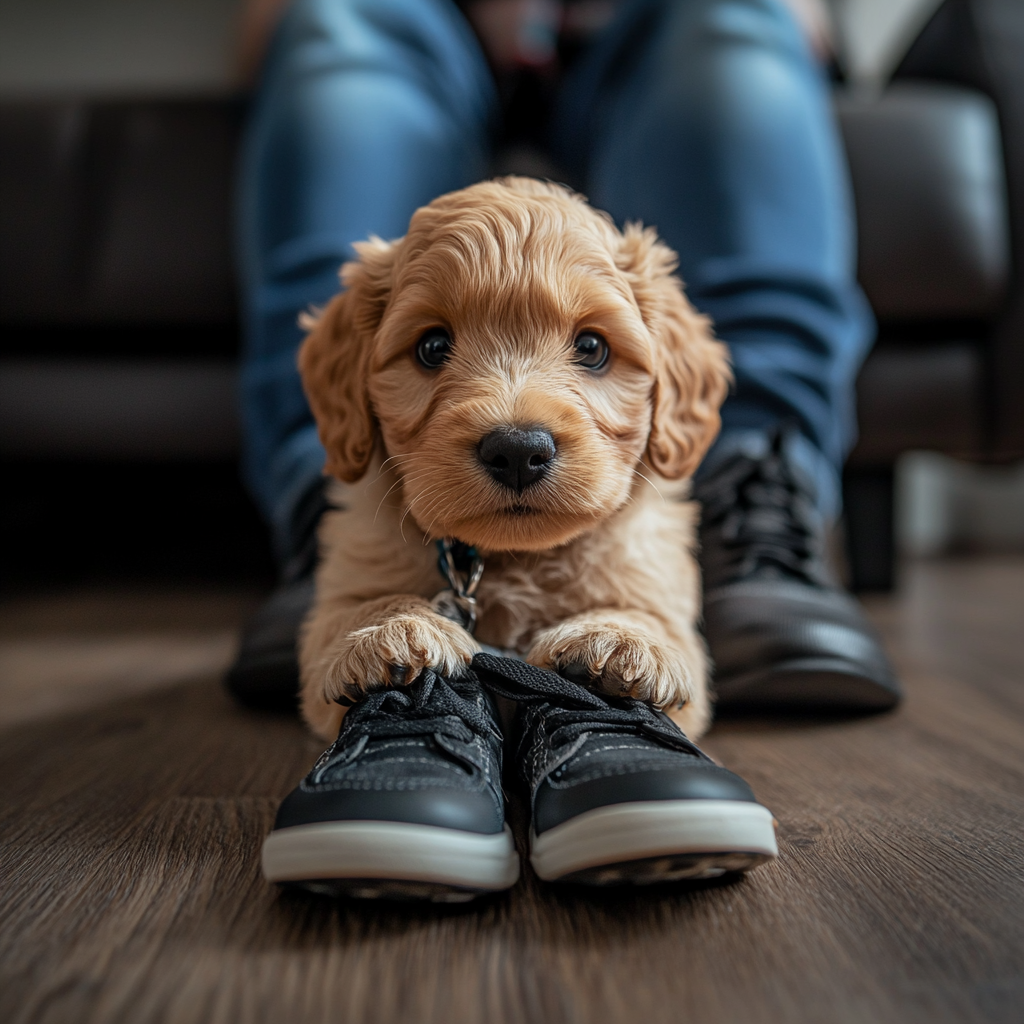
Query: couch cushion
x,y
914,397
125,409
928,180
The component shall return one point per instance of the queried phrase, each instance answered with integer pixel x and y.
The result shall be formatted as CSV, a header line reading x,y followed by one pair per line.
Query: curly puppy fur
x,y
596,568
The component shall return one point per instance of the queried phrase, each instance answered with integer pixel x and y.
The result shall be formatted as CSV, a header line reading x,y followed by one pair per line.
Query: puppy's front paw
x,y
395,652
621,661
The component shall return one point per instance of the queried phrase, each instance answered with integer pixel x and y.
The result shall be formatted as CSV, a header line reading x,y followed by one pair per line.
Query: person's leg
x,y
710,120
366,109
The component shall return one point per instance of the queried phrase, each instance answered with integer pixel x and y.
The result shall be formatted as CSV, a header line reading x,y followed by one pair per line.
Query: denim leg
x,y
710,120
367,109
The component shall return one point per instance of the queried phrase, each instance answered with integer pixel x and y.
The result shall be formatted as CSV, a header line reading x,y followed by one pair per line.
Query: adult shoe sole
x,y
822,684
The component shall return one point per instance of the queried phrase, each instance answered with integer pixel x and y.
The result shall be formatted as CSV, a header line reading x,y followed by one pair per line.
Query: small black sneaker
x,y
405,804
618,793
781,633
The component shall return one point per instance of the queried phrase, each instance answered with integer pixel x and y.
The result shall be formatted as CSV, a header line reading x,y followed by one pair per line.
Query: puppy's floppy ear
x,y
692,373
334,360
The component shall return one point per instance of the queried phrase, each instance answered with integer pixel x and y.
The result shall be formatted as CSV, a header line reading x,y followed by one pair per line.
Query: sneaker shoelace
x,y
430,706
567,711
758,522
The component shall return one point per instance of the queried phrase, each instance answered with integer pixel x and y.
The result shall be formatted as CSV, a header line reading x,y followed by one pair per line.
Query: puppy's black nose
x,y
517,458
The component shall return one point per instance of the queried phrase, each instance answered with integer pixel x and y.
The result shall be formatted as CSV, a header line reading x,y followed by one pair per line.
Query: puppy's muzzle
x,y
517,458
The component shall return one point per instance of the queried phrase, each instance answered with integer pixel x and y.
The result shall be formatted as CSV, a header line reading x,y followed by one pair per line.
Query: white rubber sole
x,y
391,860
656,841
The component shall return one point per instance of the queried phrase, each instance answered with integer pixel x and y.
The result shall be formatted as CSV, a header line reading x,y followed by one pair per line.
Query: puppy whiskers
x,y
432,496
385,498
394,458
434,501
384,468
648,480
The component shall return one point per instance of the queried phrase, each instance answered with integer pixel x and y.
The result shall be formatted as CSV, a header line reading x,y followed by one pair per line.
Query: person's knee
x,y
426,26
425,44
705,25
739,68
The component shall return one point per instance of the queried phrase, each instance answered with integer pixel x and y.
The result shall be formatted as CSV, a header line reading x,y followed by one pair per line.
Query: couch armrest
x,y
928,181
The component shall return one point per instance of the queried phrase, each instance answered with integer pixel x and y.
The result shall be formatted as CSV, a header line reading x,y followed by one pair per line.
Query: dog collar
x,y
462,568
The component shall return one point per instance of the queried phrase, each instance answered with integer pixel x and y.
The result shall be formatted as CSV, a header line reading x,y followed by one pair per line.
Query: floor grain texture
x,y
131,817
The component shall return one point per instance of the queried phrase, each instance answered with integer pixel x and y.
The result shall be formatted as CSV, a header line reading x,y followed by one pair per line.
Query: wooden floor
x,y
134,796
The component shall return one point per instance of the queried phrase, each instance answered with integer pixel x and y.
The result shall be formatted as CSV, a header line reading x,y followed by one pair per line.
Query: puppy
x,y
517,374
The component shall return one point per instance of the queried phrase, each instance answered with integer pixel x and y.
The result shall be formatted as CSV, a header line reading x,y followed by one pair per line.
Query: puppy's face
x,y
520,359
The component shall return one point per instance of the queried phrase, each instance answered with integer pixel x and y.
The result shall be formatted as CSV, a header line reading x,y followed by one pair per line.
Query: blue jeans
x,y
706,118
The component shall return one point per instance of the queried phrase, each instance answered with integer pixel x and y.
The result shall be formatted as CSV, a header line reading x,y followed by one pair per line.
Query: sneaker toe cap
x,y
468,810
555,804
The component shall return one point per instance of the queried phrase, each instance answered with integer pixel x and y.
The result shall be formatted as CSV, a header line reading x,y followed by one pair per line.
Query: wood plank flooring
x,y
134,796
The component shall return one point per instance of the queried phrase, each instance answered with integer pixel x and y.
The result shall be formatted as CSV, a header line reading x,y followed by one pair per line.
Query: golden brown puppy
x,y
517,374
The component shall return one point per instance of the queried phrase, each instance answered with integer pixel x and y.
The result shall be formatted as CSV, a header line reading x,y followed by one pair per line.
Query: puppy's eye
x,y
434,348
591,350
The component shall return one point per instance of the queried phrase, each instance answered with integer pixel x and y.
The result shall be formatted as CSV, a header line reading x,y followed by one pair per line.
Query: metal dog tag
x,y
457,602
457,608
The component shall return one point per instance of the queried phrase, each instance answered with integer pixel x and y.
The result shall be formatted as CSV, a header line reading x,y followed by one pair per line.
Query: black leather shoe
x,y
781,633
265,672
618,794
405,804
